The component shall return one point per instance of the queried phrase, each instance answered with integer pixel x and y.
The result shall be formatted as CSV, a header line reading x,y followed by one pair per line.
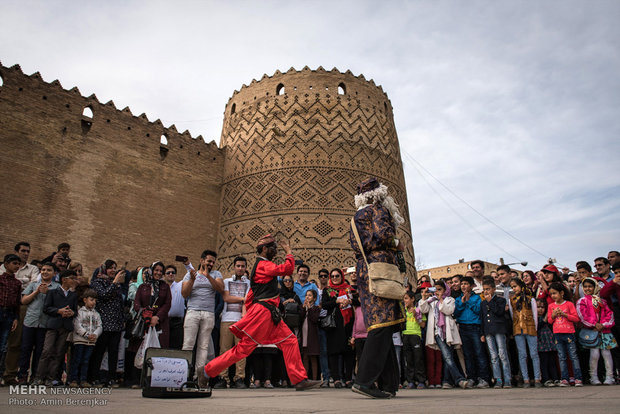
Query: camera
x,y
432,289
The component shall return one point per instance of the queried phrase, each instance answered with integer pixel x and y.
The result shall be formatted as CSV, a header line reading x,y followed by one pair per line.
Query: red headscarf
x,y
341,289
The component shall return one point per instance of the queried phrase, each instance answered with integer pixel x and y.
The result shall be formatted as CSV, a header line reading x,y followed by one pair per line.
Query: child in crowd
x,y
359,333
86,329
432,355
493,313
563,315
547,352
467,314
9,303
572,283
309,335
35,321
524,326
442,332
60,305
412,343
595,314
397,340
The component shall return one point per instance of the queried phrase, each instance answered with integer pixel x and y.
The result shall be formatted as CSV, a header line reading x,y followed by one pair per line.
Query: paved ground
x,y
556,400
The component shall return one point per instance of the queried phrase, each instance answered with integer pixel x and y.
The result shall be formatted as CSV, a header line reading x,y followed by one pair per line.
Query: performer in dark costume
x,y
377,219
263,324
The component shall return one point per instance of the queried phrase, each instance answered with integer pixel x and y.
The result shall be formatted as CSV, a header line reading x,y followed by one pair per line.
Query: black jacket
x,y
55,300
493,315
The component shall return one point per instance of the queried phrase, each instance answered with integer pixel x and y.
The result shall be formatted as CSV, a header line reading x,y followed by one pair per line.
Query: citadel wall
x,y
104,183
293,148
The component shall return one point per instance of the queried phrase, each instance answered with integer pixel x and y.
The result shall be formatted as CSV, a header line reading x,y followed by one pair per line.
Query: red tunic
x,y
256,324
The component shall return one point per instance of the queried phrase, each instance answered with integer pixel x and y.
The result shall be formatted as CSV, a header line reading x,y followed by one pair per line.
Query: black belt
x,y
276,316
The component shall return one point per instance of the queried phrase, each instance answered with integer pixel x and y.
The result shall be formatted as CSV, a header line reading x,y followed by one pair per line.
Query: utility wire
x,y
462,217
409,156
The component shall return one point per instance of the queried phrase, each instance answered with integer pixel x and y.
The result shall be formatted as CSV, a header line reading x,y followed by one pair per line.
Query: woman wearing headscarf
x,y
337,298
107,284
290,303
153,300
529,278
377,219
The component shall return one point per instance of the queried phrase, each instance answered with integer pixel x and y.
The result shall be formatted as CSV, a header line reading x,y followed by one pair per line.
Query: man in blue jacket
x,y
467,314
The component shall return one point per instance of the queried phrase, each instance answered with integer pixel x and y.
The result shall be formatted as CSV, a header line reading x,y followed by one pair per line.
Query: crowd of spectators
x,y
61,326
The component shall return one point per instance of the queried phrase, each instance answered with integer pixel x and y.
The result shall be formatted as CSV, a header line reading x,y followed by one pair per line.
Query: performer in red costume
x,y
263,324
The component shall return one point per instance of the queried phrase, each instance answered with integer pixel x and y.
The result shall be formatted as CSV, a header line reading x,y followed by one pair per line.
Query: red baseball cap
x,y
551,268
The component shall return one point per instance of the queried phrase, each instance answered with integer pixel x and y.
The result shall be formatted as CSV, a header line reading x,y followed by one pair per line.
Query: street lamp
x,y
521,263
501,260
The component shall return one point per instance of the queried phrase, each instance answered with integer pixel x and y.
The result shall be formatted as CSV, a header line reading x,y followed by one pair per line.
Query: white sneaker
x,y
609,381
595,381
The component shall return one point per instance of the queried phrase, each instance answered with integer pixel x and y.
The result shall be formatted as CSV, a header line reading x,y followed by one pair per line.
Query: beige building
x,y
459,268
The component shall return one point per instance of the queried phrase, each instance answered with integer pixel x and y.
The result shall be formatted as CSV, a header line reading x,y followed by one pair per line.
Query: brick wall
x,y
103,184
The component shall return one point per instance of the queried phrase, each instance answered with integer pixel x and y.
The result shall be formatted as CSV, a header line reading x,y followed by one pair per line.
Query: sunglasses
x,y
334,276
323,276
287,280
171,273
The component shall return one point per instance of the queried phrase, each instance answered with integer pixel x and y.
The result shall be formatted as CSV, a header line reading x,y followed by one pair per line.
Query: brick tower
x,y
296,145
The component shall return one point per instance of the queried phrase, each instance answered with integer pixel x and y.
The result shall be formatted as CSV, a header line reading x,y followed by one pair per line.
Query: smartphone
x,y
432,289
181,259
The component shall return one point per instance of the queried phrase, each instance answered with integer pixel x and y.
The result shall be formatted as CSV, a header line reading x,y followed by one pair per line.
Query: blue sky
x,y
514,106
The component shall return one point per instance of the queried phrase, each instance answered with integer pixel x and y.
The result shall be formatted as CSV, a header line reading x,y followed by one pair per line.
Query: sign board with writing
x,y
168,372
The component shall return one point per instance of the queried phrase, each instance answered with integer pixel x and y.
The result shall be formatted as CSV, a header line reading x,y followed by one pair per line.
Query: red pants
x,y
289,347
433,365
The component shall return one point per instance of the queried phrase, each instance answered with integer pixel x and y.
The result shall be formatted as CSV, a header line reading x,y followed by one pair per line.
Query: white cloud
x,y
514,105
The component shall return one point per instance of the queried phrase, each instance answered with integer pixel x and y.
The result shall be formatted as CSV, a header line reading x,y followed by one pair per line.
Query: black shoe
x,y
370,392
239,384
307,385
203,379
220,384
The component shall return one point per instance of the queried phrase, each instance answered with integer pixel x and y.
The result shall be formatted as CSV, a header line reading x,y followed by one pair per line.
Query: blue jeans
x,y
6,322
567,347
497,348
80,357
532,344
323,354
450,369
475,356
32,345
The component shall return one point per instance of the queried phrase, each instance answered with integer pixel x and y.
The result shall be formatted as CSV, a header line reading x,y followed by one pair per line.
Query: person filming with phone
x,y
199,287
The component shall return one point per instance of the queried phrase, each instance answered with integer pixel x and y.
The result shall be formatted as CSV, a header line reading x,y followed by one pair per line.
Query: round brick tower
x,y
296,145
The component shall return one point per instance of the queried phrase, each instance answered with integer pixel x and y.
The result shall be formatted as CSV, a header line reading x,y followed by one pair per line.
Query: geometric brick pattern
x,y
293,159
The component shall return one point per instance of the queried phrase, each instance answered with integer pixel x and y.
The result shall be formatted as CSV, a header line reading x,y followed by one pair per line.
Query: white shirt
x,y
239,287
177,307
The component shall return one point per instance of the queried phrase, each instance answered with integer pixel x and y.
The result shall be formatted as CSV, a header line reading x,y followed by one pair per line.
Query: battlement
x,y
109,182
15,82
308,82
